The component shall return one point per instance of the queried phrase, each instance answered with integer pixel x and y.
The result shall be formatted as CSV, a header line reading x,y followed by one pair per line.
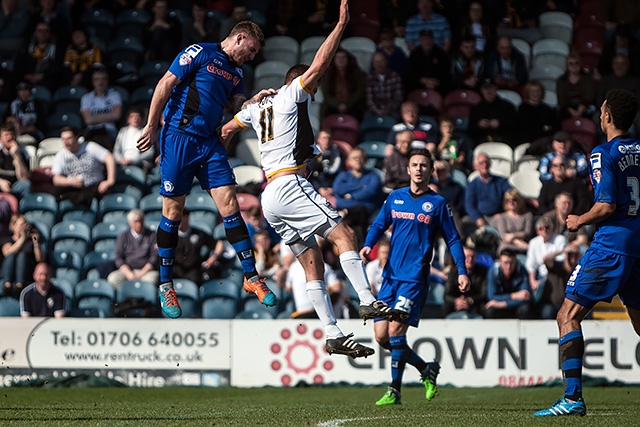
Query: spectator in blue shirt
x,y
508,290
427,20
358,191
483,198
576,162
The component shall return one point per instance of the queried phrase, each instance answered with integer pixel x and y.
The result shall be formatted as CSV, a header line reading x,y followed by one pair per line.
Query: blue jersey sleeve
x,y
452,237
379,226
603,177
188,61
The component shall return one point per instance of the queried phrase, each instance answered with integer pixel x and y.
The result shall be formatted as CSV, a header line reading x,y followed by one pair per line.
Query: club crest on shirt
x,y
185,59
188,54
427,206
597,174
330,206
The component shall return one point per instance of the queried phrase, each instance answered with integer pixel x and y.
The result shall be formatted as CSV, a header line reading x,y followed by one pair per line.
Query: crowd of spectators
x,y
48,45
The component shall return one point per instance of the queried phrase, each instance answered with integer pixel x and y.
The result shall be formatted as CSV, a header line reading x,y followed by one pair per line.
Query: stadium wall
x,y
252,353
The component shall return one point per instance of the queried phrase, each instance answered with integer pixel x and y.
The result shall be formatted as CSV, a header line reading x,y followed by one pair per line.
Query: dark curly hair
x,y
623,107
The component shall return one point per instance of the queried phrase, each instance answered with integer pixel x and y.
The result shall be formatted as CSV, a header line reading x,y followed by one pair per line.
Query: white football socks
x,y
354,270
321,301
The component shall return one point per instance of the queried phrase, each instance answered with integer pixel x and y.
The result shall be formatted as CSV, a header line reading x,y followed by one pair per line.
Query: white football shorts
x,y
296,211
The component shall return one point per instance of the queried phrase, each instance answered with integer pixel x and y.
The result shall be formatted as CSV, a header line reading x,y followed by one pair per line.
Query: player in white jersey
x,y
290,203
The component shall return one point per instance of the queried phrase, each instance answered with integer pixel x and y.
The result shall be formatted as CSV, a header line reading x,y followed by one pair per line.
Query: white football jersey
x,y
283,127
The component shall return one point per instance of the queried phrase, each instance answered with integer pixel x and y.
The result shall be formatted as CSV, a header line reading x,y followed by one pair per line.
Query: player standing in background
x,y
290,203
202,79
611,265
417,215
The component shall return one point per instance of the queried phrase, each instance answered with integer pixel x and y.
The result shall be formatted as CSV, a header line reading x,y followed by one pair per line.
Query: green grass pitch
x,y
326,407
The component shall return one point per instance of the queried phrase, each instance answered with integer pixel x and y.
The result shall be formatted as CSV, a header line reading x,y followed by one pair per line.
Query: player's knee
x,y
343,237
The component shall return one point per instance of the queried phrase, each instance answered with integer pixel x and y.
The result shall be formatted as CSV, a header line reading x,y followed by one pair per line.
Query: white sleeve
x,y
243,117
58,164
296,91
97,150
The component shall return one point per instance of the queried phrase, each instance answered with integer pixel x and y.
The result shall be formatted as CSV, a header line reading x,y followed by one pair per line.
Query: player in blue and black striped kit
x,y
417,216
200,82
611,265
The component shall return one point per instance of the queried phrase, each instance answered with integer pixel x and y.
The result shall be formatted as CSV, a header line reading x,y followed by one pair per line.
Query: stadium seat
x,y
132,175
121,202
137,289
362,48
151,72
44,95
248,174
270,74
556,25
125,96
281,48
97,23
89,312
93,259
495,150
527,182
376,128
260,313
375,153
429,100
57,121
203,221
309,47
86,216
141,97
510,96
97,294
9,307
547,75
547,52
128,49
71,235
590,52
530,163
458,102
132,23
66,206
219,299
38,202
524,48
66,258
590,32
150,203
343,127
343,147
123,73
45,218
200,201
583,130
252,304
107,230
248,150
459,177
67,287
66,99
519,151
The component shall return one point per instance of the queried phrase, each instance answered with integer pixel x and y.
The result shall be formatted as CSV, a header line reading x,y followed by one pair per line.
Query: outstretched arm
x,y
326,51
160,97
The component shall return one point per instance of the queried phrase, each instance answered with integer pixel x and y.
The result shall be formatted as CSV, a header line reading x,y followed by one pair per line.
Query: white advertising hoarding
x,y
254,353
472,353
130,343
